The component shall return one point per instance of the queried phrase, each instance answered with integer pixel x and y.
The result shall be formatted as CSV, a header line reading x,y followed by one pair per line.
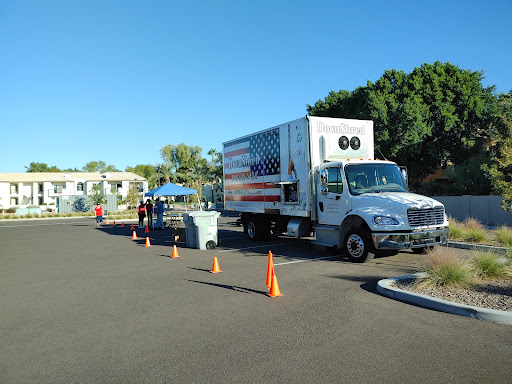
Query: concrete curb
x,y
477,247
386,288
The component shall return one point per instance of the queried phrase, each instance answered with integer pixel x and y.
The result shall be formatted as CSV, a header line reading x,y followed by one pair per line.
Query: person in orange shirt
x,y
99,214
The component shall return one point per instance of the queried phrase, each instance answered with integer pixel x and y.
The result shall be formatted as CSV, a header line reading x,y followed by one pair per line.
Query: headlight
x,y
385,220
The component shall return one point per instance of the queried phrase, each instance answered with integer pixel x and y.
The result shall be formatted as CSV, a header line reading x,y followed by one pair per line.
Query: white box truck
x,y
319,175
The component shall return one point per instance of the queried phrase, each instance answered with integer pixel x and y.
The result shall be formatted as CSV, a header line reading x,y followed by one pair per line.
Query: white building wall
x,y
4,195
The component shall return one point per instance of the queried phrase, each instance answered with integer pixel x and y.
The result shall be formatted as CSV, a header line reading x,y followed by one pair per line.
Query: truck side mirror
x,y
323,181
403,170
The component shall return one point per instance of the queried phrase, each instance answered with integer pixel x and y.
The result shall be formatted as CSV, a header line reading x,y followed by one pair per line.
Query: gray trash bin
x,y
190,230
201,226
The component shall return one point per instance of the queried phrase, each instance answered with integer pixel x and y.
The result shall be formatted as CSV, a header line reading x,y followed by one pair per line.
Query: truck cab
x,y
366,208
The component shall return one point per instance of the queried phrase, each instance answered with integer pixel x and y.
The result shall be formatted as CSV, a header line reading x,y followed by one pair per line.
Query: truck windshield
x,y
374,178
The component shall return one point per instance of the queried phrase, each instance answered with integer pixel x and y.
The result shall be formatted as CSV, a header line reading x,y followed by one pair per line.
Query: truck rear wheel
x,y
257,228
358,246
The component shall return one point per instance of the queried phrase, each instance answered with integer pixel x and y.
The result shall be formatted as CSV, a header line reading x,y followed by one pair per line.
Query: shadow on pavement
x,y
230,287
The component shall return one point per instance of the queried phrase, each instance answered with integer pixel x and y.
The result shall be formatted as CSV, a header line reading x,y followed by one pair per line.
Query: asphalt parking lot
x,y
90,305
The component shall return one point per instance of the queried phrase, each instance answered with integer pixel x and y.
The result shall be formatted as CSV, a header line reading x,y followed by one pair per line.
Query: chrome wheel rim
x,y
355,246
251,230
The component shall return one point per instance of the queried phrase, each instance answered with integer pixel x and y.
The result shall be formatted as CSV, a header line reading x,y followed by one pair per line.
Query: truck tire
x,y
257,228
359,246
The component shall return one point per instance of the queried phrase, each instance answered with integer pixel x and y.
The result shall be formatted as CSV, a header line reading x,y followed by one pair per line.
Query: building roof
x,y
62,177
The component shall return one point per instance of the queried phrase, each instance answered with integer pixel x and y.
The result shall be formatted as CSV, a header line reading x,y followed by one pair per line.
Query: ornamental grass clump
x,y
474,231
475,235
471,223
455,229
488,265
444,268
504,235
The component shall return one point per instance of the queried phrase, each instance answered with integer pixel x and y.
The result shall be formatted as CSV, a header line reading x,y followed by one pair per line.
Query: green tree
x,y
147,171
436,115
99,166
183,161
41,167
133,196
97,196
500,169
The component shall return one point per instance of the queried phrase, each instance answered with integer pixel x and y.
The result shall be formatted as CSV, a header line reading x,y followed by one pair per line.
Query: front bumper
x,y
410,240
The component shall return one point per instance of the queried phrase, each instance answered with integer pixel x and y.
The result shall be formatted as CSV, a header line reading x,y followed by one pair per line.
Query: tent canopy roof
x,y
171,189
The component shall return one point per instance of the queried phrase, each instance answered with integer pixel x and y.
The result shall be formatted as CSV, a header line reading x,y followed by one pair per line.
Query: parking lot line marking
x,y
260,246
305,260
38,225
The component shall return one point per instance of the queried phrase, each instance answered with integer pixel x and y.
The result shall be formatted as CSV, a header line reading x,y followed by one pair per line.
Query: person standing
x,y
142,214
160,216
99,214
149,211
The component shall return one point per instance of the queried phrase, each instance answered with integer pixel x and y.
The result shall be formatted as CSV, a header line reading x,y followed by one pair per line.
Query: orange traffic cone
x,y
114,223
107,221
132,227
270,270
215,267
147,229
134,235
274,289
122,224
148,244
175,252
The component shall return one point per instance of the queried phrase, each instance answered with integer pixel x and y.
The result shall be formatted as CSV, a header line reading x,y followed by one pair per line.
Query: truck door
x,y
332,202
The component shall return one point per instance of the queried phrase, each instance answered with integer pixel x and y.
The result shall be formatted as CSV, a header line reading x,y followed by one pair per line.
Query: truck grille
x,y
425,217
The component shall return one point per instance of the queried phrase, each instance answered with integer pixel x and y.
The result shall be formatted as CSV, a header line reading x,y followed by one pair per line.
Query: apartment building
x,y
44,188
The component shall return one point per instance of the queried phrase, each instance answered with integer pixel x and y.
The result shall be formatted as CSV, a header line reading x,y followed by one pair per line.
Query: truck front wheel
x,y
359,247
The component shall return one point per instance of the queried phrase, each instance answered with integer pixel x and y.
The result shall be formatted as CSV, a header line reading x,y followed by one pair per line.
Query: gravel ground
x,y
493,294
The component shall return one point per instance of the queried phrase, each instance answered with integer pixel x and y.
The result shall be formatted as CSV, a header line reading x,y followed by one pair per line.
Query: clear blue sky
x,y
117,80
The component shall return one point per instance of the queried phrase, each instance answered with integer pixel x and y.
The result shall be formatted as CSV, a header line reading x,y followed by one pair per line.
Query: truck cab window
x,y
376,178
334,183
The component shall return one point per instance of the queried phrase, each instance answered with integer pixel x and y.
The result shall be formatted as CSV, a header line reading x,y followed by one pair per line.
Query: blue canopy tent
x,y
171,189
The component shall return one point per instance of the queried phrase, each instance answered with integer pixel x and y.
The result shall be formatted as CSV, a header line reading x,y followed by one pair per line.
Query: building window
x,y
80,187
57,188
14,188
40,188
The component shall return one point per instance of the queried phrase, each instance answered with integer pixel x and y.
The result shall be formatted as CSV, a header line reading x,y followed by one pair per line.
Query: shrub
x,y
504,236
475,235
444,268
81,205
486,264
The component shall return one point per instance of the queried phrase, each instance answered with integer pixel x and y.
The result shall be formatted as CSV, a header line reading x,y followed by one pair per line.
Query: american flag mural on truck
x,y
252,168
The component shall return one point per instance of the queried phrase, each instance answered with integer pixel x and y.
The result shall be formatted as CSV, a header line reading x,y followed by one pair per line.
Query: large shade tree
x,y
500,168
435,115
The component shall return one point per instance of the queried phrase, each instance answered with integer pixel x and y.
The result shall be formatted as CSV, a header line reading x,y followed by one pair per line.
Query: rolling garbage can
x,y
190,230
201,228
